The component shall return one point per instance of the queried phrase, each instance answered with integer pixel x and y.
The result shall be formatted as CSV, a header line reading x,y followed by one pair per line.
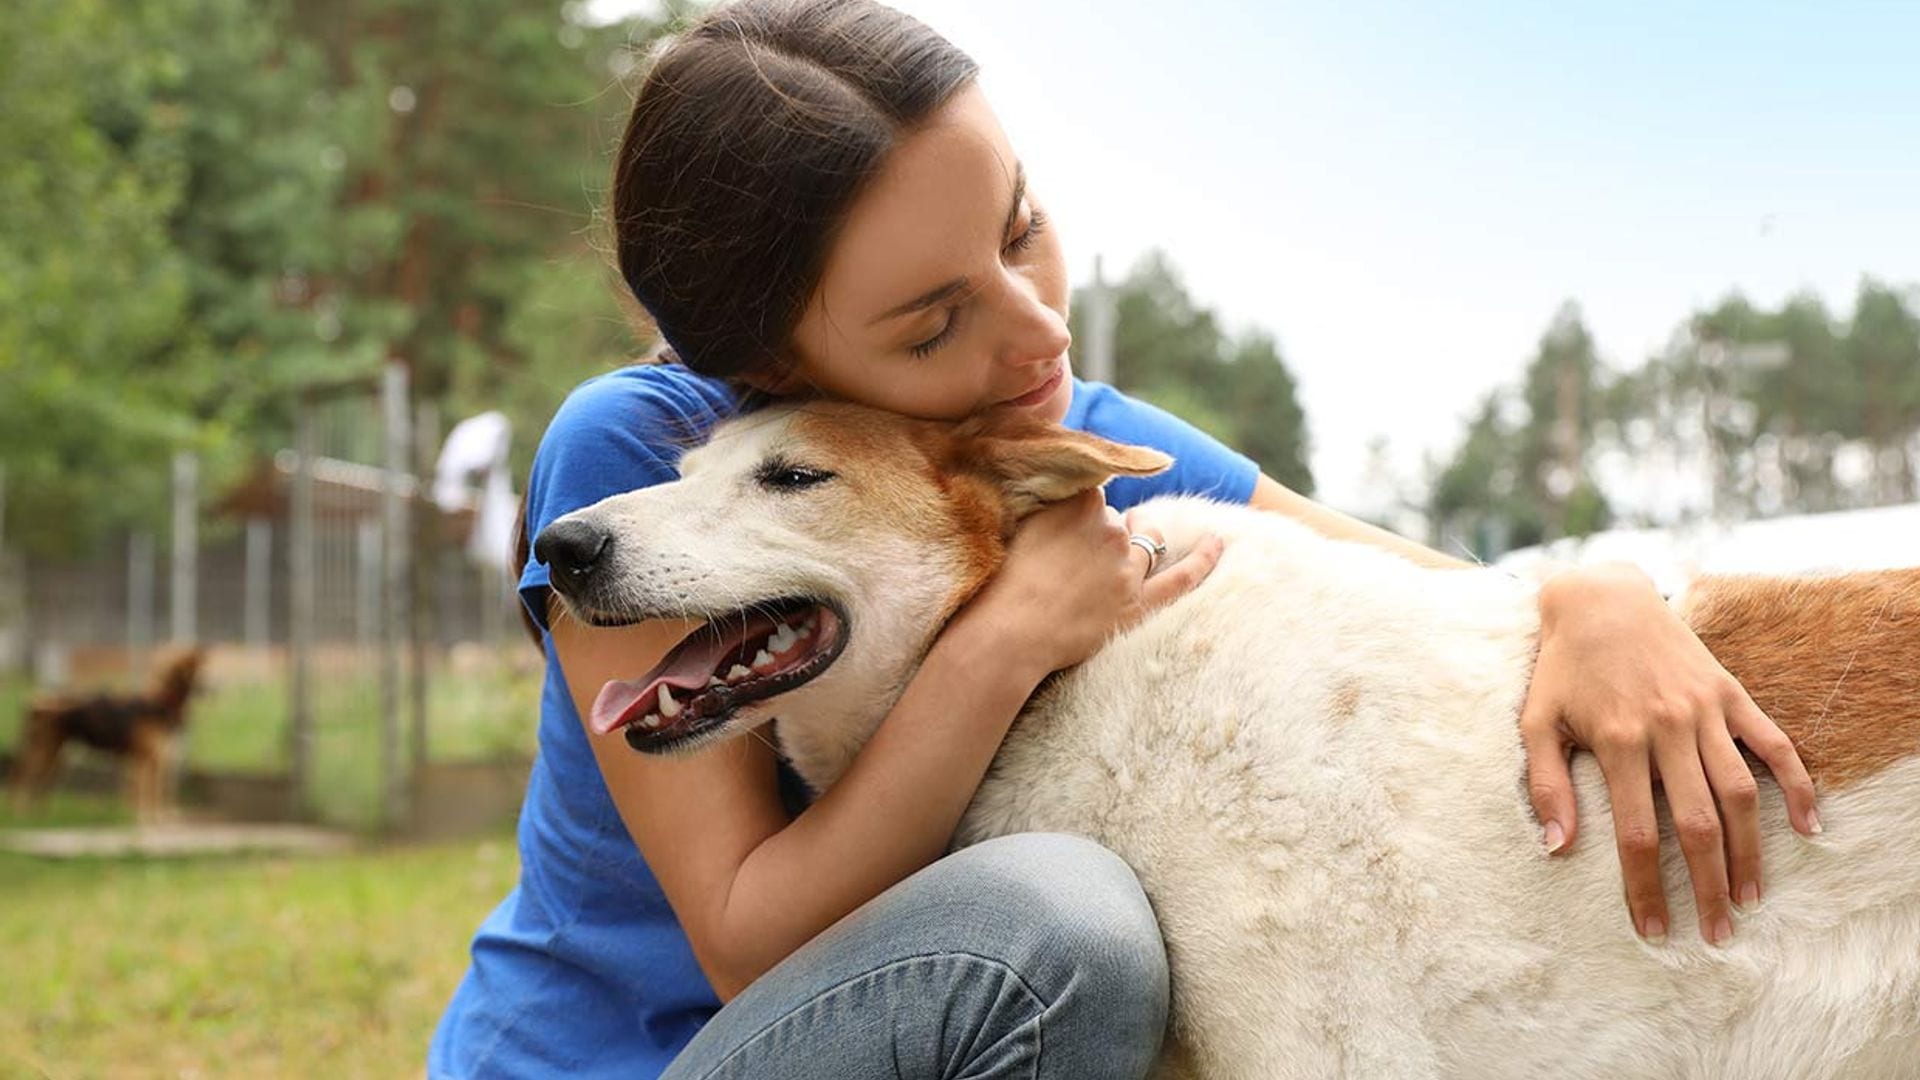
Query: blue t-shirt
x,y
583,970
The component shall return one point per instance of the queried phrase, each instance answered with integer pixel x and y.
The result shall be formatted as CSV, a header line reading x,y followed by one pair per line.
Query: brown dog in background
x,y
142,728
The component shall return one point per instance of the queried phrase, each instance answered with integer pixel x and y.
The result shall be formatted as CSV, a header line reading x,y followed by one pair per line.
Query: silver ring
x,y
1152,547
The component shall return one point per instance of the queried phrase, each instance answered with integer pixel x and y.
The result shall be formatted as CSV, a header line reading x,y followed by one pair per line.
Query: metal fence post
x,y
140,575
186,548
1101,320
257,599
395,600
13,607
300,572
426,446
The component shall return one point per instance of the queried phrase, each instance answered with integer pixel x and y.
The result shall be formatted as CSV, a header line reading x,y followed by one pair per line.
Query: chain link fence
x,y
362,668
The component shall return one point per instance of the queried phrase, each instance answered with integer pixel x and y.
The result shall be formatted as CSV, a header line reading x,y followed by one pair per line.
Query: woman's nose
x,y
1037,332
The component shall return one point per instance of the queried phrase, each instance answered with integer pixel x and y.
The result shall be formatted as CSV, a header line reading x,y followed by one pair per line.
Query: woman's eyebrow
x,y
958,285
923,301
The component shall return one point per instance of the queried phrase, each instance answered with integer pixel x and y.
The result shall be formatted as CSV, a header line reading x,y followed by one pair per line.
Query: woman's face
x,y
945,292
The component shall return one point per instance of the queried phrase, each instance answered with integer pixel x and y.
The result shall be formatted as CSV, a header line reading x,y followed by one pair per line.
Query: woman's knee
x,y
1086,935
1032,955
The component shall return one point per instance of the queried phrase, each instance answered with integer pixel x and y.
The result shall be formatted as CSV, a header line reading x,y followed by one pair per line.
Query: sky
x,y
1404,193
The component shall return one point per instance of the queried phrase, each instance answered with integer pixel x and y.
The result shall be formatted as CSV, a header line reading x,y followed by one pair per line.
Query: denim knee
x,y
1089,944
1033,956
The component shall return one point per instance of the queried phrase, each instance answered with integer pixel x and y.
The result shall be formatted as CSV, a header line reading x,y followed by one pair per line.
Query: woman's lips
x,y
1042,392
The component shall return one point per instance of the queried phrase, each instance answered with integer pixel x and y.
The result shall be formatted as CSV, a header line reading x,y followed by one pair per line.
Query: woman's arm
x,y
1271,494
750,885
1621,675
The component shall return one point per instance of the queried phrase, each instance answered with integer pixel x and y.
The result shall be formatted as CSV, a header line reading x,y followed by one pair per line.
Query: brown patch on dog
x,y
1346,702
965,487
1835,661
905,487
1035,463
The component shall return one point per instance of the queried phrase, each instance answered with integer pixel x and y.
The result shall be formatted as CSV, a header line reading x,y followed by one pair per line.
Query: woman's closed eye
x,y
1036,224
945,335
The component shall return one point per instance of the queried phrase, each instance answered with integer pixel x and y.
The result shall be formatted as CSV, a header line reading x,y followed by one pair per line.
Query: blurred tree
x,y
1805,403
486,127
1172,352
1882,351
91,290
1562,391
212,202
1767,403
1477,500
1517,482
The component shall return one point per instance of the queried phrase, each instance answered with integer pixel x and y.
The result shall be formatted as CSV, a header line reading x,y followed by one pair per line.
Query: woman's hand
x,y
1620,674
1071,580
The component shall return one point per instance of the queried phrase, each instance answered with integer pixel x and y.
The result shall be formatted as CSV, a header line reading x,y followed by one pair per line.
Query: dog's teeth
x,y
805,631
762,659
669,708
782,638
738,672
650,721
715,680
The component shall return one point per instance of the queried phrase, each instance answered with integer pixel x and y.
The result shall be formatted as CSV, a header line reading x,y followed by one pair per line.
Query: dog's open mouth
x,y
735,659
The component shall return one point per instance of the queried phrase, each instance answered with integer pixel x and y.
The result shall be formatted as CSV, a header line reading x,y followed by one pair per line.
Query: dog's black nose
x,y
571,548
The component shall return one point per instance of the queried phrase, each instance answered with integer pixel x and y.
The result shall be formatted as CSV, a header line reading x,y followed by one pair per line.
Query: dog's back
x,y
106,722
1313,763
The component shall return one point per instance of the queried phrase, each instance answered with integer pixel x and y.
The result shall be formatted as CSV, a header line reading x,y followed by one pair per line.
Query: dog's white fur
x,y
1312,763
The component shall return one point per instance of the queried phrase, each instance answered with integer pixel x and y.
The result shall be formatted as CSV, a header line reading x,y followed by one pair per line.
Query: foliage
x,y
91,289
1170,351
1523,470
1781,411
206,204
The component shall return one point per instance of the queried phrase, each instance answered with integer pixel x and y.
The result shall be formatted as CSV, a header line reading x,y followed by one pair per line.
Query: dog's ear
x,y
1036,463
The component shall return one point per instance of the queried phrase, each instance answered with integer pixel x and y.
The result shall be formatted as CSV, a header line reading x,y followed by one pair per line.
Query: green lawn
x,y
326,966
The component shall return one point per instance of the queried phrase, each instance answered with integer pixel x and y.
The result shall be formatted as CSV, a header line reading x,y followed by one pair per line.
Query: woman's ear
x,y
1035,463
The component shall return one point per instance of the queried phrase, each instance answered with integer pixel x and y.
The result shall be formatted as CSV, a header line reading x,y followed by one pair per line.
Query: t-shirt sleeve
x,y
1202,465
615,433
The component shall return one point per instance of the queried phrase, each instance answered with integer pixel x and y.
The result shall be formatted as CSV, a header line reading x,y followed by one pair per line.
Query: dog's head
x,y
175,672
823,546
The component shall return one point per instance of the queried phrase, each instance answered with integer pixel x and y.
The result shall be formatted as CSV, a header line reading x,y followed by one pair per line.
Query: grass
x,y
245,967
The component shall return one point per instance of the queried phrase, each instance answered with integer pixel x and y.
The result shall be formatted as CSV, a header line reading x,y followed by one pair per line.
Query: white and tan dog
x,y
1312,761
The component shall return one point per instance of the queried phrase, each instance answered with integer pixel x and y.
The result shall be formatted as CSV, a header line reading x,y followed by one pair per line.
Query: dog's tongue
x,y
686,668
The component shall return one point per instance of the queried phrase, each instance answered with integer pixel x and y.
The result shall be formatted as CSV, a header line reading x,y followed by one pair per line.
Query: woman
x,y
816,198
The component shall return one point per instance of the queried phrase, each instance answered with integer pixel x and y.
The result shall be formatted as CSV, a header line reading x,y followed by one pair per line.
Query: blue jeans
x,y
1032,956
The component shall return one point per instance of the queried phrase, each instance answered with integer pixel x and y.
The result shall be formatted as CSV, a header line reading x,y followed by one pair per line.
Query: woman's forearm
x,y
893,812
1270,494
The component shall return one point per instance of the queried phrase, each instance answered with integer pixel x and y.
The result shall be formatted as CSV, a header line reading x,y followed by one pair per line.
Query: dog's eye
x,y
780,476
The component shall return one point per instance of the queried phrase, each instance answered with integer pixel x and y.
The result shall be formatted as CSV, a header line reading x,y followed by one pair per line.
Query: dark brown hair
x,y
750,137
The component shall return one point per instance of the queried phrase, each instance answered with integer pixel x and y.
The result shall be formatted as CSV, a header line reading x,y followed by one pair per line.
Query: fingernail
x,y
1654,930
1554,837
1720,932
1749,895
1813,823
